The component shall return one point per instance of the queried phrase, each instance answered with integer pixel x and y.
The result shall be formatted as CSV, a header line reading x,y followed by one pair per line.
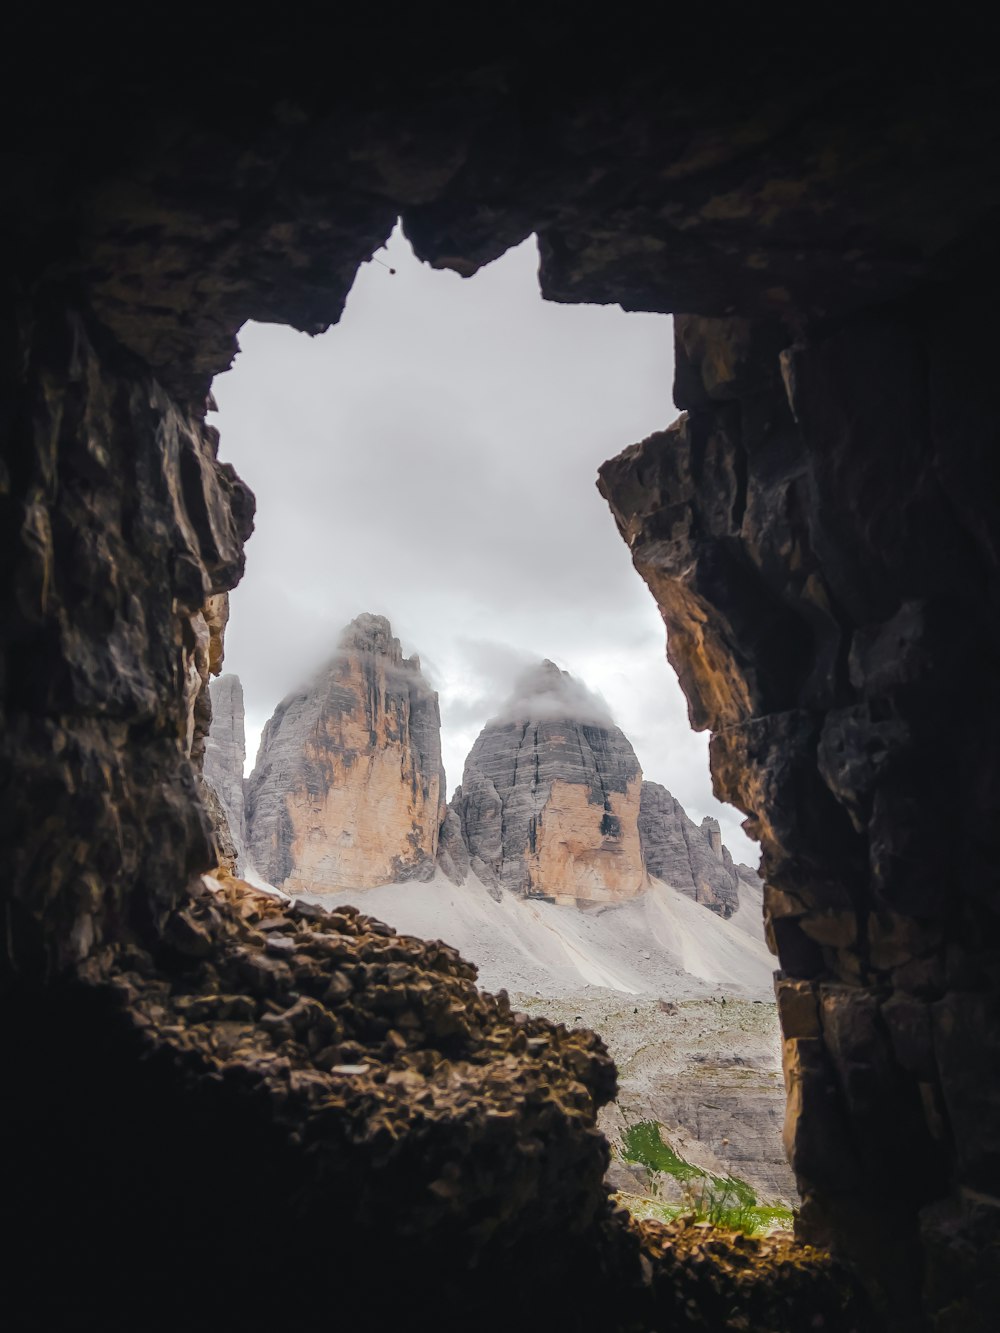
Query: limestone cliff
x,y
225,757
549,801
689,857
452,854
348,787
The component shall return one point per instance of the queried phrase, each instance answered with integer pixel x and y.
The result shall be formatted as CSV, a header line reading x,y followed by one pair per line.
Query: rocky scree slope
x,y
348,788
658,944
357,1085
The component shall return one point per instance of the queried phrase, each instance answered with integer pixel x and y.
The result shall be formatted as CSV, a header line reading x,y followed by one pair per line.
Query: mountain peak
x,y
546,693
348,788
549,802
368,633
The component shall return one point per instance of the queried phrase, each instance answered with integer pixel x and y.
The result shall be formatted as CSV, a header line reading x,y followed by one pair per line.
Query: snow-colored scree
x,y
661,943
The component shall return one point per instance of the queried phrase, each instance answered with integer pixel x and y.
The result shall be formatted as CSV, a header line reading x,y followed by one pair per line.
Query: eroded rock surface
x,y
122,534
350,1094
770,524
685,855
549,801
224,761
818,534
453,855
348,788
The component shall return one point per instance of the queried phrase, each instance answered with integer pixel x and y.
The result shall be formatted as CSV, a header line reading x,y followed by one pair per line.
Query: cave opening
x,y
816,532
432,457
467,417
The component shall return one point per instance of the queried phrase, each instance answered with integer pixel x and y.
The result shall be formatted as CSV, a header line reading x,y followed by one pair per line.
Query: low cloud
x,y
546,694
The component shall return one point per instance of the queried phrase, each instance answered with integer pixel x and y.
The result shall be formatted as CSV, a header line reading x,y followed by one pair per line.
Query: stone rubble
x,y
404,1092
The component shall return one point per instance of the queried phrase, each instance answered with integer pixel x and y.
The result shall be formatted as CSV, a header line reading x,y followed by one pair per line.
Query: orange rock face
x,y
348,790
586,854
549,802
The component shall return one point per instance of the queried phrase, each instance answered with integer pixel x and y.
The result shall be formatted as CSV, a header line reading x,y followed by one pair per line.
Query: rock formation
x,y
817,534
225,757
690,858
453,854
546,808
348,787
549,801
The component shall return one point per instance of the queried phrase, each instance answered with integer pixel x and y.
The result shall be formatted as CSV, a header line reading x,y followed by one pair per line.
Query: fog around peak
x,y
432,459
547,694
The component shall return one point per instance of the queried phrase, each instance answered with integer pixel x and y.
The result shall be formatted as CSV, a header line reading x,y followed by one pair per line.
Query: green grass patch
x,y
644,1144
725,1201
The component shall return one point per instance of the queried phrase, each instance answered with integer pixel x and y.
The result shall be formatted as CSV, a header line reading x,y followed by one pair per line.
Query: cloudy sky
x,y
432,458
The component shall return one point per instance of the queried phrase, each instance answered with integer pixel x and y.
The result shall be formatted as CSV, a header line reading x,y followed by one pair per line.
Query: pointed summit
x,y
549,802
348,788
368,633
549,674
546,693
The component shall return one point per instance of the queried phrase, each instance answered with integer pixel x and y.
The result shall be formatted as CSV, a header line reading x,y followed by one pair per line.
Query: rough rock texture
x,y
348,788
793,543
222,769
344,1079
230,850
453,855
823,543
204,663
549,801
681,853
119,529
708,1072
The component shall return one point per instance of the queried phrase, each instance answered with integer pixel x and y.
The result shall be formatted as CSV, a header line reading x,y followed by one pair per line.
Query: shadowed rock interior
x,y
817,530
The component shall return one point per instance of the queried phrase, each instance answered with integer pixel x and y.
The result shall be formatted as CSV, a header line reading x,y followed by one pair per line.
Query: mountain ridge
x,y
348,791
348,786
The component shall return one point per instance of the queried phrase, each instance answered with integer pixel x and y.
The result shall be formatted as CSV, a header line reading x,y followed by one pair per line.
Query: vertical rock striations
x,y
452,853
684,855
552,804
549,802
225,757
348,787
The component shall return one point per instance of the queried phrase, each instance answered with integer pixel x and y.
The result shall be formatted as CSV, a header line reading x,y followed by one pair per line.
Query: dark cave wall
x,y
827,571
818,531
120,530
